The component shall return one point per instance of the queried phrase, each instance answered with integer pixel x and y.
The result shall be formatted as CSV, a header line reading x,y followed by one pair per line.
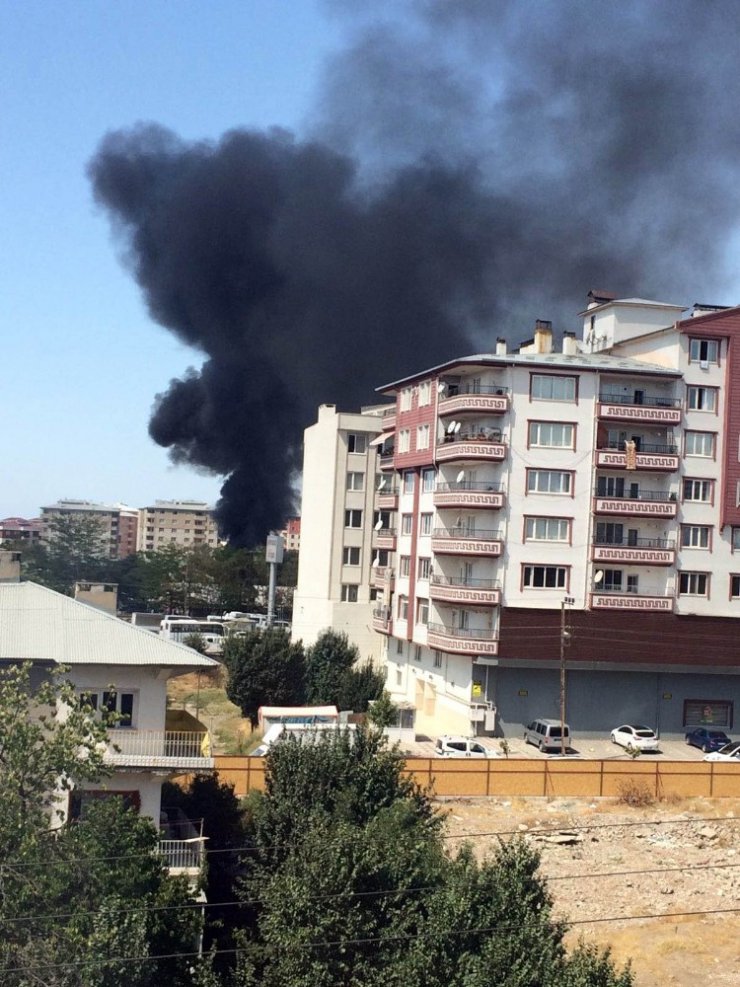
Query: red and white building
x,y
601,483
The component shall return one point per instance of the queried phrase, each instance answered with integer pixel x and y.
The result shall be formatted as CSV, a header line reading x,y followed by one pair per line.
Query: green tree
x,y
359,686
327,663
383,712
264,669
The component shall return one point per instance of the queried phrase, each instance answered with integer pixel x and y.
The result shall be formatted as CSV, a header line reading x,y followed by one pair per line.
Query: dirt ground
x,y
676,864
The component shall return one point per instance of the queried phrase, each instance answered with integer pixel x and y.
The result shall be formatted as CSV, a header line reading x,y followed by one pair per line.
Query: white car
x,y
449,746
730,752
633,735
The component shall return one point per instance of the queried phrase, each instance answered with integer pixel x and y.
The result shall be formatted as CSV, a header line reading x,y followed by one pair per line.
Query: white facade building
x,y
186,523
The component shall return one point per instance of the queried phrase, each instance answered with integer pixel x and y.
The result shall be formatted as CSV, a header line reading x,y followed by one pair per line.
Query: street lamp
x,y
564,640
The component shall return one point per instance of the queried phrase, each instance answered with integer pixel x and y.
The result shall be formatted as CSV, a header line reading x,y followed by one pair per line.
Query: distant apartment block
x,y
20,529
291,534
118,524
186,523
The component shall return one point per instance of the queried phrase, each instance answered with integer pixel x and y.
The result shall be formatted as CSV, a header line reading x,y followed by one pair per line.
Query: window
x,y
404,440
702,398
118,705
424,569
544,387
437,659
425,524
349,593
403,607
404,565
735,539
355,481
404,399
422,437
422,611
700,444
694,536
551,435
417,652
427,481
407,524
399,677
545,576
399,646
350,556
697,490
693,584
356,442
611,581
549,481
704,351
425,393
353,518
408,481
547,529
734,587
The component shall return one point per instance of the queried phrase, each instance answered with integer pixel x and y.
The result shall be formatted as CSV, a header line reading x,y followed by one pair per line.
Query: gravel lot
x,y
589,747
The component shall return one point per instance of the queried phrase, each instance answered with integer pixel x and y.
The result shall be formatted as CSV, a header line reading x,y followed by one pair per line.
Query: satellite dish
x,y
460,476
441,387
458,426
598,576
451,428
376,562
381,484
379,524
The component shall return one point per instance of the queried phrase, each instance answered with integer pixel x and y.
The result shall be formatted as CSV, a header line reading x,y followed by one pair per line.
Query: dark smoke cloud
x,y
470,166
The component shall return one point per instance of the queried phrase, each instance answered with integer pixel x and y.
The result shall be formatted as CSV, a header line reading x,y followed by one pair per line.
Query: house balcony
x,y
388,421
658,458
382,619
381,576
386,499
645,411
476,447
647,503
619,600
385,460
462,590
152,749
463,541
463,640
638,551
475,400
184,857
384,538
469,494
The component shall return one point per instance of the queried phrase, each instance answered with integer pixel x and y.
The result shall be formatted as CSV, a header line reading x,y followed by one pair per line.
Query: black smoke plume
x,y
470,167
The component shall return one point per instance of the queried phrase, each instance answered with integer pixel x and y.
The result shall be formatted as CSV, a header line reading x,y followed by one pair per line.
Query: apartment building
x,y
343,555
176,522
291,534
25,531
582,504
118,524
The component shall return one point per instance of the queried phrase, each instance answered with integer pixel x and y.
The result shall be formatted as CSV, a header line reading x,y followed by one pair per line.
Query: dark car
x,y
708,740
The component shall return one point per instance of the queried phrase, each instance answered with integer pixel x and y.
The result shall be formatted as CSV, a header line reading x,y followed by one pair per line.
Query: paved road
x,y
595,748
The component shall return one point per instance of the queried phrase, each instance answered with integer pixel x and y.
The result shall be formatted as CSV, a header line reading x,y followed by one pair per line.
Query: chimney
x,y
570,347
10,567
542,336
500,346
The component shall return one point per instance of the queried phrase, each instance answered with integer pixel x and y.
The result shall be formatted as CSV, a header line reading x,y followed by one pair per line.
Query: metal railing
x,y
385,533
159,743
666,450
183,854
453,390
637,542
491,487
475,633
649,495
466,581
489,435
463,532
382,613
652,401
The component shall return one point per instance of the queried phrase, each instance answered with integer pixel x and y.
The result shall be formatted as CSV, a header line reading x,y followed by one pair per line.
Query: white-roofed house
x,y
120,668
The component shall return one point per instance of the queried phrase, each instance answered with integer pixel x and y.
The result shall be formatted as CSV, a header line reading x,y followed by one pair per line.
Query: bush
x,y
636,794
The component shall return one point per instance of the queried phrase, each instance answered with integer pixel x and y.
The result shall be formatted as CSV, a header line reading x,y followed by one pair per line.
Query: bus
x,y
178,628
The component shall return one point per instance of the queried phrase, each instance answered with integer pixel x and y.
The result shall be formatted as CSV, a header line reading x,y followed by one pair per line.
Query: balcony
x,y
659,458
183,856
469,494
467,541
381,576
470,399
386,498
382,620
388,421
471,591
646,503
619,600
646,410
171,749
472,447
462,640
385,460
384,538
636,551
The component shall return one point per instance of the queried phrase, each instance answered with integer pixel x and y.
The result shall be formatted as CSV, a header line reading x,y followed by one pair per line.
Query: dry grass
x,y
636,794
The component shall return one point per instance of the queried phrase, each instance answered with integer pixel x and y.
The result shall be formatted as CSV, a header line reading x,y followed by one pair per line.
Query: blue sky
x,y
82,360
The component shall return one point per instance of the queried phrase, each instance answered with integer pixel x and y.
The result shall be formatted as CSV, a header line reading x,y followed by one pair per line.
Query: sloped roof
x,y
38,624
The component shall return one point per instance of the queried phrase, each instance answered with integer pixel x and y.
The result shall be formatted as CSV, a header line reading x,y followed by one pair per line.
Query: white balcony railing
x,y
159,748
183,855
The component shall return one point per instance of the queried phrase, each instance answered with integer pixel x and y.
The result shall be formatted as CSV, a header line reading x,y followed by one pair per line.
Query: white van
x,y
546,734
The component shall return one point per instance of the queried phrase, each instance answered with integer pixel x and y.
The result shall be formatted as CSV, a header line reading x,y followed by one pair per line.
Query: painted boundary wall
x,y
509,777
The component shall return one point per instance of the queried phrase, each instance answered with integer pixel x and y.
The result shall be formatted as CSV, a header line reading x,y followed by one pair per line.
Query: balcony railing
x,y
461,590
463,640
454,389
488,486
619,599
159,748
183,855
478,633
651,495
654,401
466,581
668,543
477,534
644,447
382,617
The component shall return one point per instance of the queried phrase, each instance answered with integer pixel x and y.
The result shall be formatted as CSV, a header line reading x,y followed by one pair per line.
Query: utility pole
x,y
273,556
564,642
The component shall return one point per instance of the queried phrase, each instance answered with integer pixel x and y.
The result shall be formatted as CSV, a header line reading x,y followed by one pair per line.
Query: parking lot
x,y
593,748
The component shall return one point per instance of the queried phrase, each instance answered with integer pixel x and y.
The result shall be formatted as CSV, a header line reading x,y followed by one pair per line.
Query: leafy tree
x,y
358,686
196,641
327,663
264,669
383,712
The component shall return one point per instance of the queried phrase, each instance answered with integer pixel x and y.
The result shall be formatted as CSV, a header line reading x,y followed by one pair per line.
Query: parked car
x,y
634,735
708,740
730,752
546,734
449,746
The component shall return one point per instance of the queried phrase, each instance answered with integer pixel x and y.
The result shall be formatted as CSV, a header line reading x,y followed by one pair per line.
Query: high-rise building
x,y
563,519
118,524
176,522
